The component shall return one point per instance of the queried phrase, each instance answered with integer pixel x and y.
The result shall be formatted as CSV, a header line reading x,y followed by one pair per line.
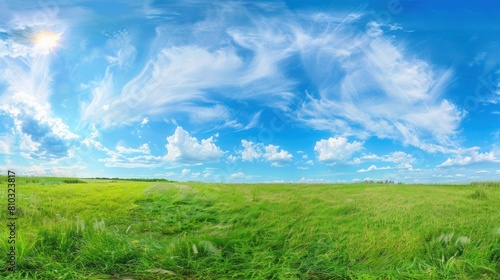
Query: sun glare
x,y
47,40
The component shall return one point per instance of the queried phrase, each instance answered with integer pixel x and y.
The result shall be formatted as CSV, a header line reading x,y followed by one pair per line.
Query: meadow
x,y
115,229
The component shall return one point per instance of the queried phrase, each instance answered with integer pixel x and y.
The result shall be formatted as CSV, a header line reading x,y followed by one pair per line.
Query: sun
x,y
47,41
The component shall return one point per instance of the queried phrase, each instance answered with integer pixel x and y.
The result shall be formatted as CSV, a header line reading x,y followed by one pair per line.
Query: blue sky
x,y
244,91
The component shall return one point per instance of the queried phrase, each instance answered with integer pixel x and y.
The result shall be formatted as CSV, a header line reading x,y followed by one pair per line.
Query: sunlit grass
x,y
113,229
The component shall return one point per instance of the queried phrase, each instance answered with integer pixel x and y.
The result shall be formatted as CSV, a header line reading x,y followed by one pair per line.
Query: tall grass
x,y
163,230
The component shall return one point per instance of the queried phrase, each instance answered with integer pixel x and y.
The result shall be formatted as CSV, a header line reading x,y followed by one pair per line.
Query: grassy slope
x,y
143,230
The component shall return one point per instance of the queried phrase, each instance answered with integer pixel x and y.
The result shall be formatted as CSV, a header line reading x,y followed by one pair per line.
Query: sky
x,y
251,91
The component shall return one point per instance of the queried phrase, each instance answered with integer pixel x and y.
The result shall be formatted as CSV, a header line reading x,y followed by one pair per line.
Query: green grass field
x,y
105,229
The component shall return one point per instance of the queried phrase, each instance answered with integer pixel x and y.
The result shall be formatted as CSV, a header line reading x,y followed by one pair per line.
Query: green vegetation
x,y
162,230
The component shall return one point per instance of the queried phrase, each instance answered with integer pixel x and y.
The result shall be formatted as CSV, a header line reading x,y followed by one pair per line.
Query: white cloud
x,y
374,168
250,151
22,29
143,149
188,69
336,149
144,121
270,153
238,175
232,158
195,174
6,142
89,142
144,161
275,157
95,133
122,52
470,156
48,170
120,157
185,171
477,60
309,180
41,134
184,149
401,159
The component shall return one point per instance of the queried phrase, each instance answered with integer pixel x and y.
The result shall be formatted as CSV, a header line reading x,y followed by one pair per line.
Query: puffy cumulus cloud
x,y
275,156
250,151
338,149
270,153
184,149
470,156
185,171
41,135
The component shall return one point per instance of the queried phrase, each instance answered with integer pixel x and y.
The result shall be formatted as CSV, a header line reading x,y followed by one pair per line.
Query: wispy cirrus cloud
x,y
204,71
126,157
372,88
361,83
471,156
